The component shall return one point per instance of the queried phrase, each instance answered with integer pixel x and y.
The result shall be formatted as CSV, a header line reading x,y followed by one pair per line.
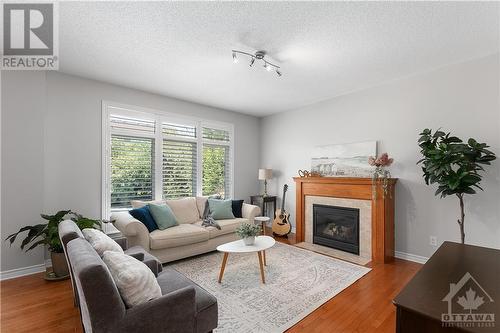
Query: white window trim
x,y
159,116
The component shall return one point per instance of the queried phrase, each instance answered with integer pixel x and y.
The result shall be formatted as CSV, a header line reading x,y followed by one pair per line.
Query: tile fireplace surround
x,y
365,226
376,212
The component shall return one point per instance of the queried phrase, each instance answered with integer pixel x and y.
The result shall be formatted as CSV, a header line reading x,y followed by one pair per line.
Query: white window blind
x,y
179,169
124,123
132,170
149,155
216,134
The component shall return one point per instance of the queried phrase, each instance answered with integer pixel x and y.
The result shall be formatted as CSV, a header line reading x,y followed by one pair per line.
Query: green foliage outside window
x,y
131,170
214,169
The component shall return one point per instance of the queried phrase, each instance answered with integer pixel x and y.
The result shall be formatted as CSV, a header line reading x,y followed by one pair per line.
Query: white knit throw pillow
x,y
135,281
100,241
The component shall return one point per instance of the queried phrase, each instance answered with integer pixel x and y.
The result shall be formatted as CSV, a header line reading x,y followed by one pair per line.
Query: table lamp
x,y
265,174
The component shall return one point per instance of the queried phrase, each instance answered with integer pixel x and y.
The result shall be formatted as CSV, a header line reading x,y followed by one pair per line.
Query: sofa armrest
x,y
250,211
122,242
173,312
135,231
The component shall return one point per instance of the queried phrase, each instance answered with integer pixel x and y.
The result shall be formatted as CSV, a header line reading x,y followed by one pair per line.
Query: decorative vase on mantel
x,y
381,175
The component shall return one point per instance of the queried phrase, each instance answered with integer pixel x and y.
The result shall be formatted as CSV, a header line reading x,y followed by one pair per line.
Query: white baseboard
x,y
410,257
18,272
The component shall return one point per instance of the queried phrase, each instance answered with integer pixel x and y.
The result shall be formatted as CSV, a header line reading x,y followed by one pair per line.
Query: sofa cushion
x,y
185,210
100,241
226,226
163,216
140,203
144,215
135,281
206,305
200,203
221,209
183,234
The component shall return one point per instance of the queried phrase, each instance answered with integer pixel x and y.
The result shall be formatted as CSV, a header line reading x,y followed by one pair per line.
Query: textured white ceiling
x,y
183,49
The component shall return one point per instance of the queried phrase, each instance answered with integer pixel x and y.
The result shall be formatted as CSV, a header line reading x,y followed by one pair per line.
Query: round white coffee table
x,y
261,244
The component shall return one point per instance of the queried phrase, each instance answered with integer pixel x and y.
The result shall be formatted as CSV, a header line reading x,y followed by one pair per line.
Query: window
x,y
216,162
149,155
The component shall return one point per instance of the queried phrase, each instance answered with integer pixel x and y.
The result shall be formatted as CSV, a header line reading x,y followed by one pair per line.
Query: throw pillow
x,y
100,241
135,281
144,215
237,206
163,216
221,209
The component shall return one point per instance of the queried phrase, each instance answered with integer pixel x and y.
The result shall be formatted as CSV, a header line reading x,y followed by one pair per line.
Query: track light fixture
x,y
259,55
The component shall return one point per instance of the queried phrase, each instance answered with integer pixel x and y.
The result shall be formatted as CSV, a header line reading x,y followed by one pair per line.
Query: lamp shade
x,y
265,174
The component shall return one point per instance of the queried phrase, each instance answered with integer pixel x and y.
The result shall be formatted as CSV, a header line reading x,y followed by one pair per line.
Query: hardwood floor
x,y
31,304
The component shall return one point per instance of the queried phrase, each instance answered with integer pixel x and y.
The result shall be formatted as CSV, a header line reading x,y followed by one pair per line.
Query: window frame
x,y
159,116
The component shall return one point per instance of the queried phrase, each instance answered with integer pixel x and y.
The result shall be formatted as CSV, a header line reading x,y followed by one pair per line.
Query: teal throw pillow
x,y
163,216
221,209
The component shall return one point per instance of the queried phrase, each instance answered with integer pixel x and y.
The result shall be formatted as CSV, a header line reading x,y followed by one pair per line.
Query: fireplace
x,y
336,227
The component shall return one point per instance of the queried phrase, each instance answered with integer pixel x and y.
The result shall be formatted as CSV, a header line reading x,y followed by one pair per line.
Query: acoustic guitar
x,y
281,223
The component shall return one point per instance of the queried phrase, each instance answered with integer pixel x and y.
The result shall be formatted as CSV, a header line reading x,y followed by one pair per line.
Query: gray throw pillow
x,y
135,281
100,241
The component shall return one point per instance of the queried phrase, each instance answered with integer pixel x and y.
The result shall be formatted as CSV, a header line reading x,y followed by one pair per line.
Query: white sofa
x,y
188,238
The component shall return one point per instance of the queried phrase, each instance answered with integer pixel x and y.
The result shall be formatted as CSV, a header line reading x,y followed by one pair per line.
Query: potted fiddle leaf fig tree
x,y
47,234
455,166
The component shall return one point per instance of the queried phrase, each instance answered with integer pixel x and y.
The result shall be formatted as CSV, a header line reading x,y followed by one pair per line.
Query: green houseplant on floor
x,y
455,166
47,234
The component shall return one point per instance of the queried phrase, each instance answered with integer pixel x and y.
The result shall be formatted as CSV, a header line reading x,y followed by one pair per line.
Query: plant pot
x,y
249,240
59,264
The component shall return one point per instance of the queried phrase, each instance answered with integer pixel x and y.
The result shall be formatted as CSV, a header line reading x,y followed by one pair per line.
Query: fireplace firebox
x,y
336,227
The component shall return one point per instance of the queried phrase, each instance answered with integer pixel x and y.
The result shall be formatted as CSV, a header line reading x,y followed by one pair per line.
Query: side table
x,y
262,220
263,201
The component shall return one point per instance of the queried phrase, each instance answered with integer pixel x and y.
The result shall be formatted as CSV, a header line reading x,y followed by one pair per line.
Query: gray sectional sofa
x,y
183,307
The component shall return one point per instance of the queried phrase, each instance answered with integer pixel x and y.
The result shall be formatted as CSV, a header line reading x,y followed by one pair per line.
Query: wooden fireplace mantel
x,y
353,188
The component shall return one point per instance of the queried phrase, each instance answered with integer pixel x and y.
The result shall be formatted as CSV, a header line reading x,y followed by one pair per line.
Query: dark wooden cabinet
x,y
457,290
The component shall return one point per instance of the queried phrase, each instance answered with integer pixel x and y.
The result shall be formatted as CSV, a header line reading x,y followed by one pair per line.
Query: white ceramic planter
x,y
249,240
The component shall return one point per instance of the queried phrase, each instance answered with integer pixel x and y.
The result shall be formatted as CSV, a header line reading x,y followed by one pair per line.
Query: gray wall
x,y
65,141
462,98
23,112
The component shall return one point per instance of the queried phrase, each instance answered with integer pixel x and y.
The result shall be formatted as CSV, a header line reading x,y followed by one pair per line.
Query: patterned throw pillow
x,y
135,281
100,241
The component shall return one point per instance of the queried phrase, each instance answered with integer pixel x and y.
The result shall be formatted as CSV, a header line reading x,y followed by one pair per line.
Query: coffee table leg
x,y
224,260
261,267
264,254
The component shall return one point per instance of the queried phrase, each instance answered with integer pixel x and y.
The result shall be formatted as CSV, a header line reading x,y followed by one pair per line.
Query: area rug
x,y
298,281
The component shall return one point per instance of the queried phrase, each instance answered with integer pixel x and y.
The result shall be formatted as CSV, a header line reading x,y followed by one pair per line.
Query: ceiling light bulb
x,y
252,61
266,66
278,72
235,60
